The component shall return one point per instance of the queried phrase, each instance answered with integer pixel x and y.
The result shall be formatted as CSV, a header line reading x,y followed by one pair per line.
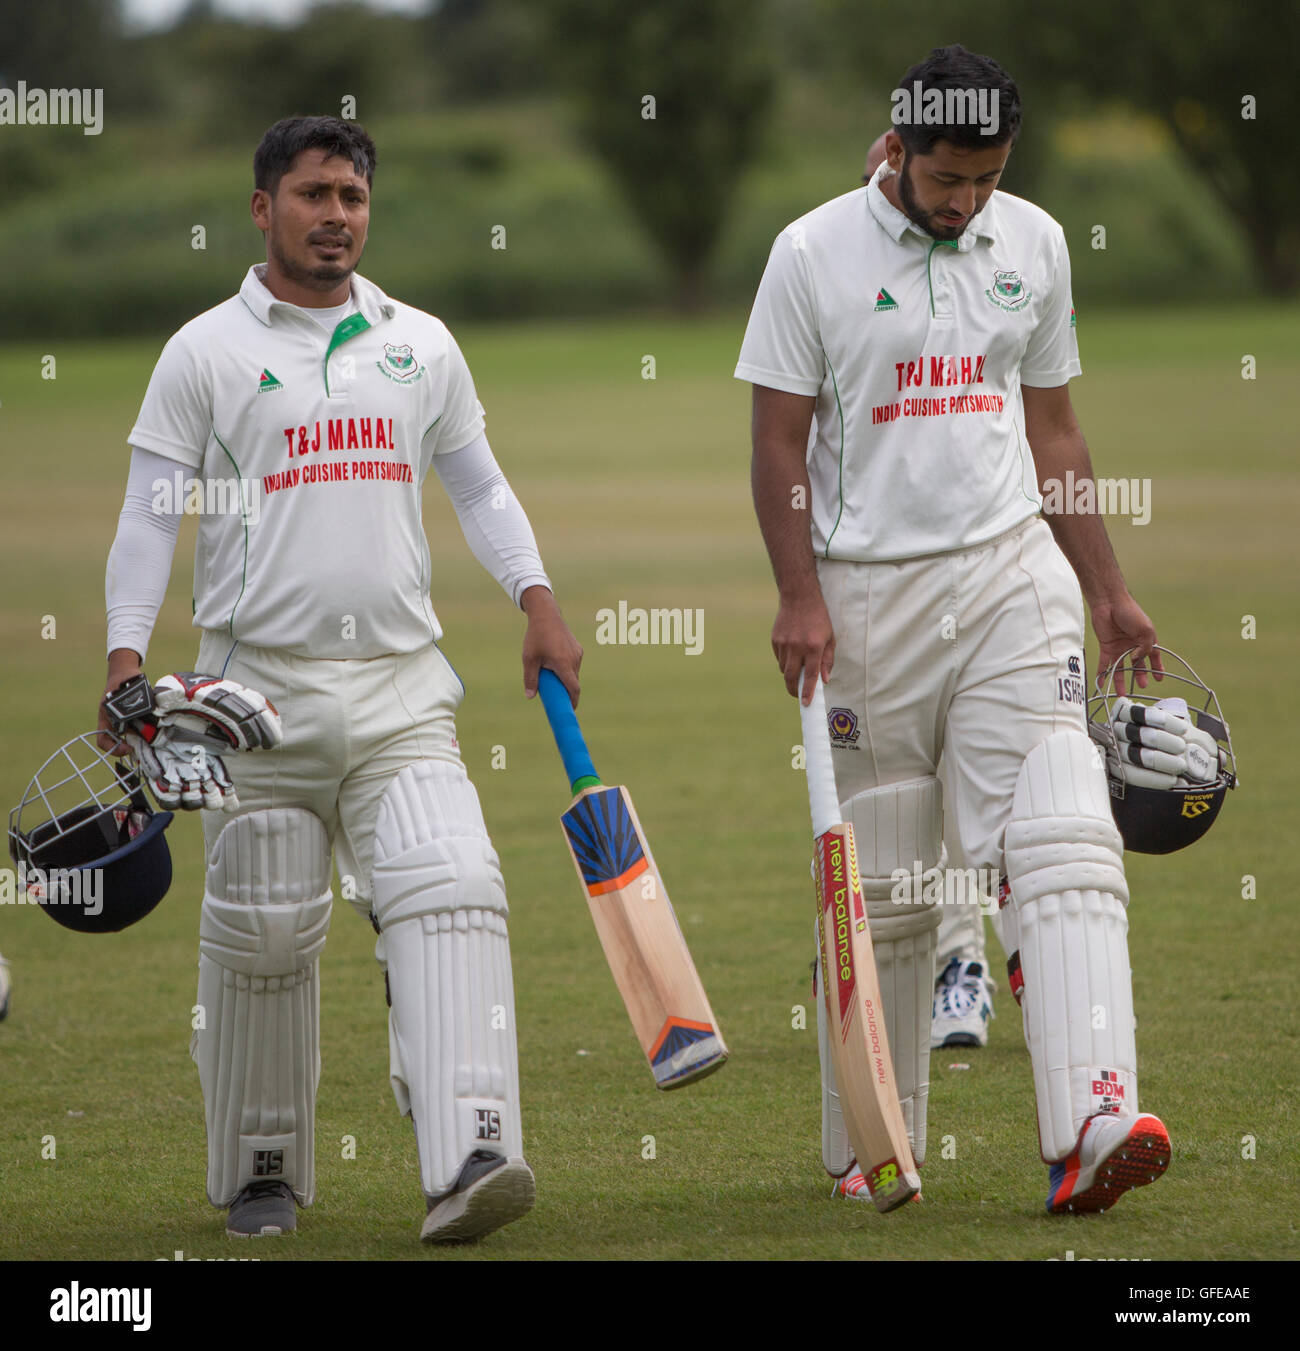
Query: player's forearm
x,y
538,602
123,663
777,487
1081,537
782,495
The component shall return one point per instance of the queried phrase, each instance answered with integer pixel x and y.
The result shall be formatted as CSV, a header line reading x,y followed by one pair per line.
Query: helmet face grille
x,y
87,832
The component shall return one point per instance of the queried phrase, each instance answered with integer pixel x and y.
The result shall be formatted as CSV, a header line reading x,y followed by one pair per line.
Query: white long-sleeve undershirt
x,y
495,526
139,563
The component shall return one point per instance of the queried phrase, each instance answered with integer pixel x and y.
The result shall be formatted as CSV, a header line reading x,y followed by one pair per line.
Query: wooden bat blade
x,y
642,940
864,1068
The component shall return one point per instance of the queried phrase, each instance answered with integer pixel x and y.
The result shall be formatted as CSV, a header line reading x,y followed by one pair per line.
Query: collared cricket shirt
x,y
327,438
915,351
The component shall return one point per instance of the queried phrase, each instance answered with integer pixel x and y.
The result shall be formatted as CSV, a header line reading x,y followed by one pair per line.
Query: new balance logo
x,y
884,301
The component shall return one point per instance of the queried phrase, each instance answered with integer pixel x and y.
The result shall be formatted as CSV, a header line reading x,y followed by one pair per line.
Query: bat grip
x,y
822,795
565,729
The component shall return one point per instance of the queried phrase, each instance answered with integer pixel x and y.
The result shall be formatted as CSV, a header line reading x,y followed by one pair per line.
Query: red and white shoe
x,y
1113,1155
852,1185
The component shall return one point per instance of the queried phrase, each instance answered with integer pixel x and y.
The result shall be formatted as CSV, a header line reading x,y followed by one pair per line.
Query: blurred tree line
x,y
719,75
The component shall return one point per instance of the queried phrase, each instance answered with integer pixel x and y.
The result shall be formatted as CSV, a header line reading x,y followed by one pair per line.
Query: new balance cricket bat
x,y
635,920
864,1068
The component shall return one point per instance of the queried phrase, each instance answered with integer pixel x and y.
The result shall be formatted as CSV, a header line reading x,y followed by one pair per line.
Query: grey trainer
x,y
261,1210
489,1191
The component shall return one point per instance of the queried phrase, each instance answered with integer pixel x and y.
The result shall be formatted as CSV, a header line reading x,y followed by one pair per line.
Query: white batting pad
x,y
440,904
265,915
899,829
1065,863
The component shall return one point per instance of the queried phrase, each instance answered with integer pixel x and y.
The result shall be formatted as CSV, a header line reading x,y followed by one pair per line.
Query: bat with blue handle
x,y
634,918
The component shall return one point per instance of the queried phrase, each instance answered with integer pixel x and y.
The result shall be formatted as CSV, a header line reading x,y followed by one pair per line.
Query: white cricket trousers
x,y
975,654
349,727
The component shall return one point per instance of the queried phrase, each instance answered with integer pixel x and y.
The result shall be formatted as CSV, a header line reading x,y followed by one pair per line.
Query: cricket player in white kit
x,y
963,997
926,320
325,404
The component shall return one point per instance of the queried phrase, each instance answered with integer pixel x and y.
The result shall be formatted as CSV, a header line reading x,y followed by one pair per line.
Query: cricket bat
x,y
638,929
864,1068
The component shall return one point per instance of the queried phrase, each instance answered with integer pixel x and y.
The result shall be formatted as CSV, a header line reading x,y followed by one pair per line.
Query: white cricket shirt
x,y
332,433
916,351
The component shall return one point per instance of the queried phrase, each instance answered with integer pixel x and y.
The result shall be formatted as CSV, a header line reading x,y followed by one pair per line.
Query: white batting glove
x,y
194,721
183,774
1160,746
234,716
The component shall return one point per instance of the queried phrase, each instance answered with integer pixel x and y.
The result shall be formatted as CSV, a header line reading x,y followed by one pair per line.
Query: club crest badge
x,y
844,730
1008,291
400,364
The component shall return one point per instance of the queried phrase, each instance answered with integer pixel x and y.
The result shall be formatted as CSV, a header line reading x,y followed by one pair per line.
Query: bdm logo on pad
x,y
1107,1087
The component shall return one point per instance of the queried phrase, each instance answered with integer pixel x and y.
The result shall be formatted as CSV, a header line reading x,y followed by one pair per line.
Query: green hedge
x,y
95,232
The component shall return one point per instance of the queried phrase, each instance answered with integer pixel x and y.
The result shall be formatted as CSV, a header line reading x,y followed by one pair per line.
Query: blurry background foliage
x,y
528,114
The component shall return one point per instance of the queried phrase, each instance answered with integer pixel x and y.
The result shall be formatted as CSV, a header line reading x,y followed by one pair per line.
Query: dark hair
x,y
961,72
290,136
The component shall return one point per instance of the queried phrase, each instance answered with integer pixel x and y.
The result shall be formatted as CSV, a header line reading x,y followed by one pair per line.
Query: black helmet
x,y
1158,813
89,848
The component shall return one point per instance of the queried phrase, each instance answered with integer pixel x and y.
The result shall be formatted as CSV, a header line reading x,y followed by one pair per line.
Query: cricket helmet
x,y
1161,812
89,848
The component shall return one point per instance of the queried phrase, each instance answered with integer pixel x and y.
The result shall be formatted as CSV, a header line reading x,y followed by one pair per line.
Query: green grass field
x,y
638,491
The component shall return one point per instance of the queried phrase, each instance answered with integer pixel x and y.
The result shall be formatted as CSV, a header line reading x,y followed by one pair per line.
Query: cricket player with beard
x,y
963,994
926,320
329,402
